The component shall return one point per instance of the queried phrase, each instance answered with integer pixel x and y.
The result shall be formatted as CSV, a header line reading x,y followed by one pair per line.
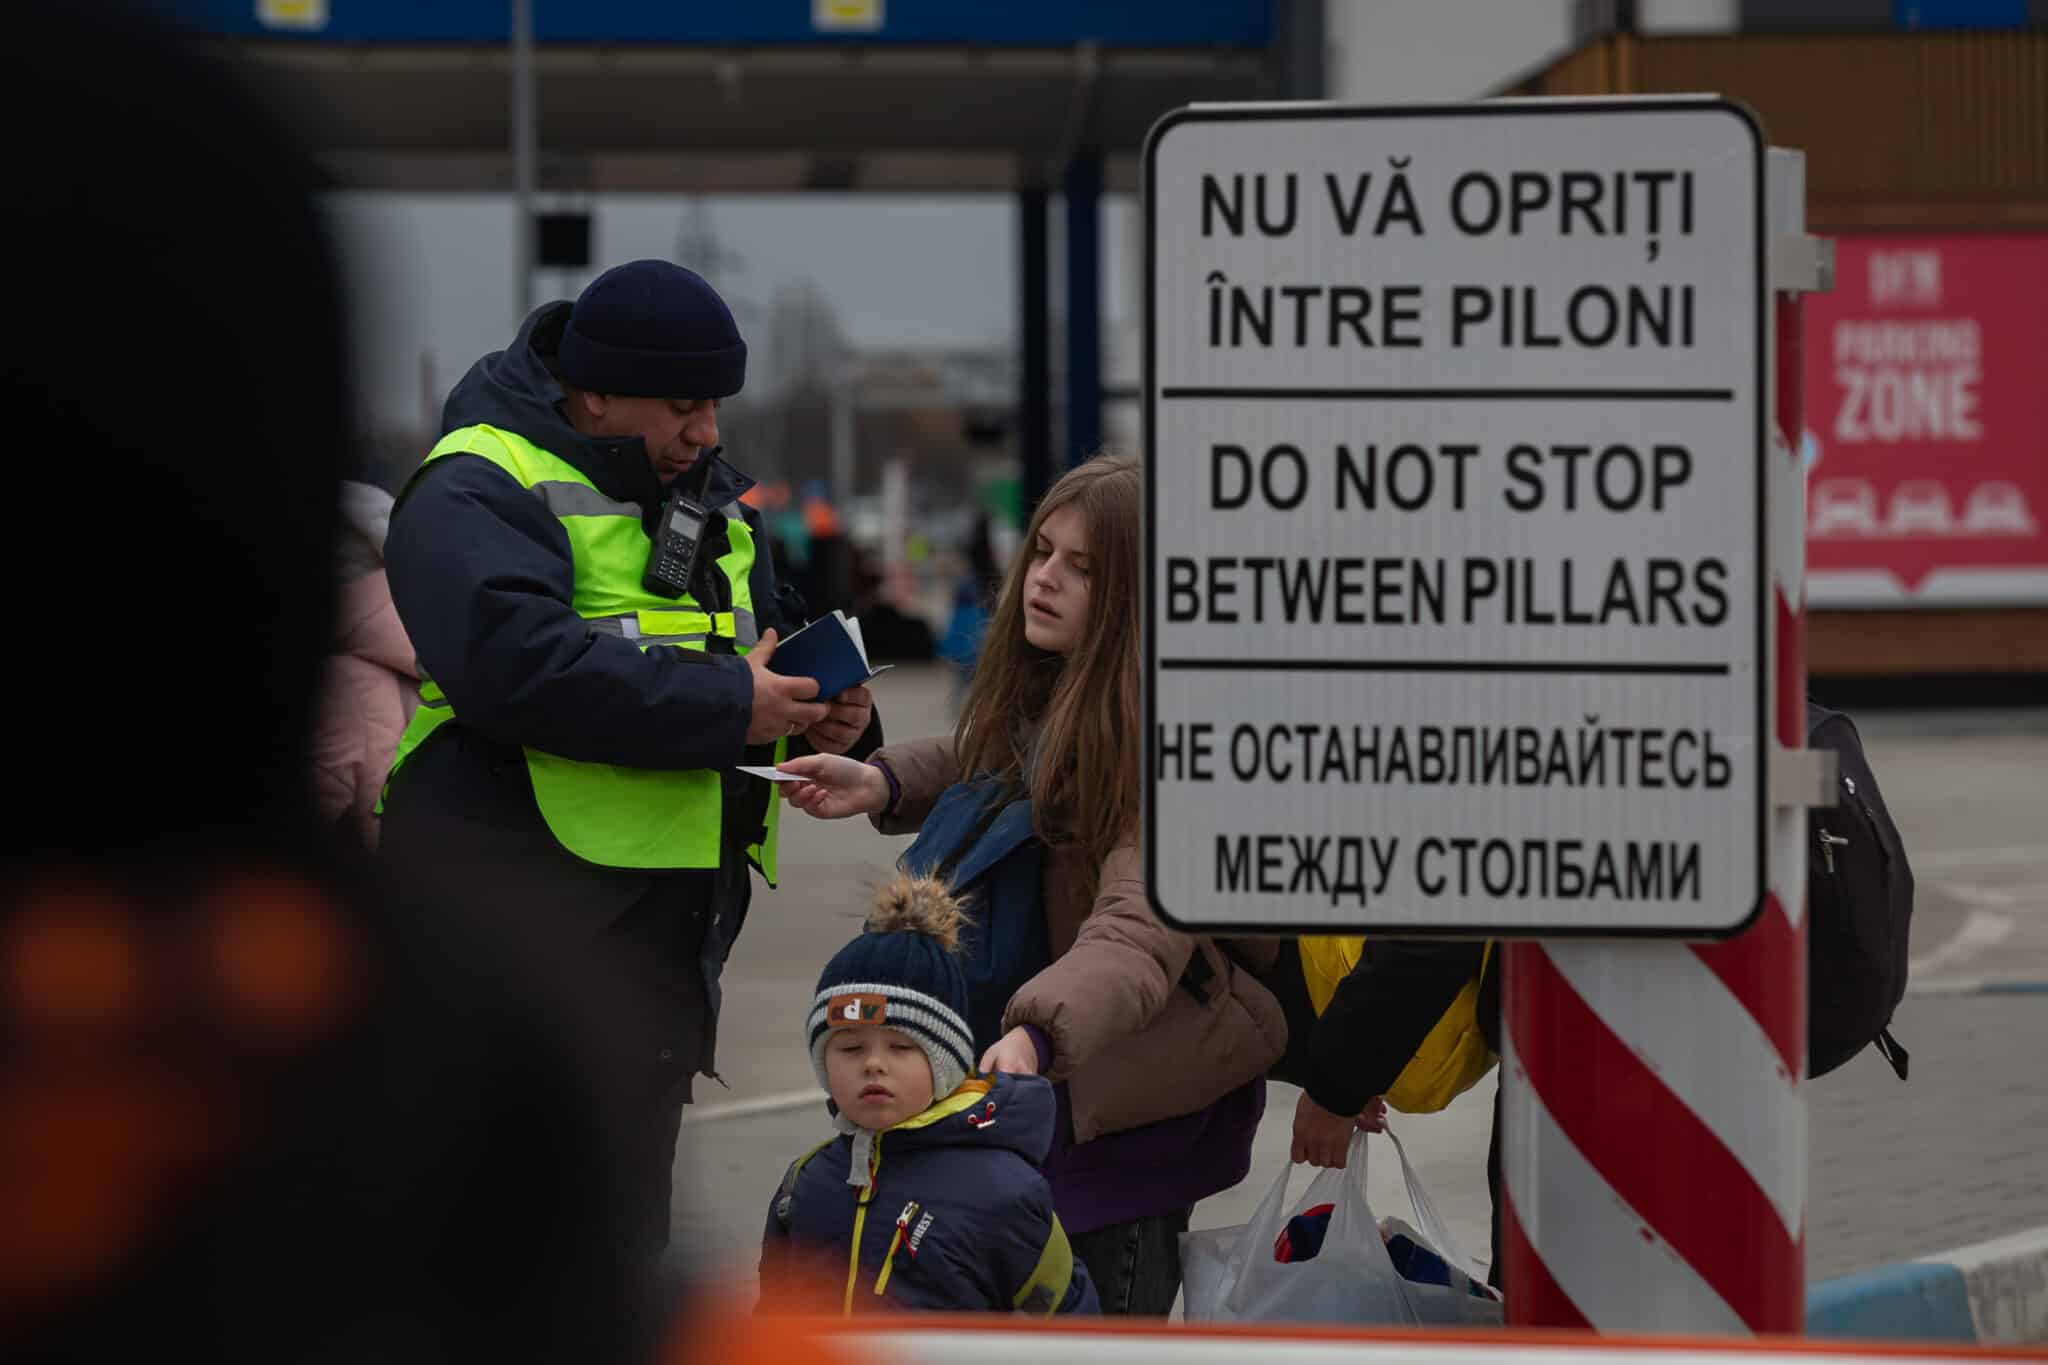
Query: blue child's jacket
x,y
953,1214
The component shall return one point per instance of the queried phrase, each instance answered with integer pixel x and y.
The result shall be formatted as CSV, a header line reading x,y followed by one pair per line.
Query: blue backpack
x,y
979,840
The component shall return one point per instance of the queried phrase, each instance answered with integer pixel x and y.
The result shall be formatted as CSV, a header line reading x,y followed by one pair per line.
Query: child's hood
x,y
994,1112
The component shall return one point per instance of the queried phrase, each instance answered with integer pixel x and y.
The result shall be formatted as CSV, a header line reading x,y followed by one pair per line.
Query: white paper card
x,y
771,774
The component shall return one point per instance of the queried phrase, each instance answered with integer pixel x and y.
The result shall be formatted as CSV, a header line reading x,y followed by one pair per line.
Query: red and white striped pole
x,y
1654,1150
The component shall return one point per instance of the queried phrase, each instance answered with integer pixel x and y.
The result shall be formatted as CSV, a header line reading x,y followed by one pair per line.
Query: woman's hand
x,y
1374,1119
1013,1052
834,787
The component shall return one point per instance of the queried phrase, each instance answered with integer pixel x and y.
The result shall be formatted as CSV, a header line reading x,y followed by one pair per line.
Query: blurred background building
x,y
926,214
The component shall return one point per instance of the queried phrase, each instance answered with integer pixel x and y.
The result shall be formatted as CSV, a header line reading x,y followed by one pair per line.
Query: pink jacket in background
x,y
369,685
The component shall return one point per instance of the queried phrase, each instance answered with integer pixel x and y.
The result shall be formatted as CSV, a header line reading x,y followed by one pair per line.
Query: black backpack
x,y
1859,898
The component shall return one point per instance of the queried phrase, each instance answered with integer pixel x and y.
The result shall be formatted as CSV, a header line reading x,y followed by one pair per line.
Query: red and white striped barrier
x,y
1654,1148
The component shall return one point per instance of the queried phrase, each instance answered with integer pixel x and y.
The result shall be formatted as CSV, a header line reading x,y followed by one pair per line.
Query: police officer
x,y
571,762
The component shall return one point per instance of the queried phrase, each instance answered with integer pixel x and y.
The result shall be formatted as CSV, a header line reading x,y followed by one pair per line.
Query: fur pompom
x,y
922,905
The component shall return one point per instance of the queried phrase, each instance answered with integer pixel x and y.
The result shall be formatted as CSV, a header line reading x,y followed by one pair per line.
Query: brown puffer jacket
x,y
1131,1042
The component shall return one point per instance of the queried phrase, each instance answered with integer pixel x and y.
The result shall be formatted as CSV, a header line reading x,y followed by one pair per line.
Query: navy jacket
x,y
954,1217
482,577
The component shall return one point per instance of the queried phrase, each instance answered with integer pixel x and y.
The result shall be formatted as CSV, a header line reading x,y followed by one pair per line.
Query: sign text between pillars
x,y
1455,592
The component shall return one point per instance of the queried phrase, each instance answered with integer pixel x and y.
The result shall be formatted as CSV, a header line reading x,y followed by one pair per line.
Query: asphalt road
x,y
1958,1154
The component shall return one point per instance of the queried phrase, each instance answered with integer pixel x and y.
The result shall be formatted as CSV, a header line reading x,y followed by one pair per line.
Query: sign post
x,y
1460,623
1655,1127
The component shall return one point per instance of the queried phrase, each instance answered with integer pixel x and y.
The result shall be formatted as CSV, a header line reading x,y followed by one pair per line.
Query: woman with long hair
x,y
1157,1041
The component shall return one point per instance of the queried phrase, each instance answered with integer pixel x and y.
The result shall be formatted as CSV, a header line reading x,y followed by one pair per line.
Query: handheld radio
x,y
674,556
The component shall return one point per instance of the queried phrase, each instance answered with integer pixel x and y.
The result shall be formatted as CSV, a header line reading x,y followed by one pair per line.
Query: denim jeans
x,y
1135,1265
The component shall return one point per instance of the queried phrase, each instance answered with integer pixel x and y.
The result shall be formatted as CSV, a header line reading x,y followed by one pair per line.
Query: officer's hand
x,y
782,706
846,722
1014,1052
1321,1138
834,787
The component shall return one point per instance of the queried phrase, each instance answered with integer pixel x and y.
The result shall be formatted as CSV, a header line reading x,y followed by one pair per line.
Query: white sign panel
x,y
1455,423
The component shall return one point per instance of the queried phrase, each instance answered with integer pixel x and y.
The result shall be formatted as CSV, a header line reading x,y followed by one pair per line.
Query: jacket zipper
x,y
1828,844
881,1282
896,1241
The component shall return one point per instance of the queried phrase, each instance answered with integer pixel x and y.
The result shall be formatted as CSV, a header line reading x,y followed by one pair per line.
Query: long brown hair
x,y
1066,727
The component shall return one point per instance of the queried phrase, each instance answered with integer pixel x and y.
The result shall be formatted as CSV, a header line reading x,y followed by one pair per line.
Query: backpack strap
x,y
1888,1048
785,1193
1045,1289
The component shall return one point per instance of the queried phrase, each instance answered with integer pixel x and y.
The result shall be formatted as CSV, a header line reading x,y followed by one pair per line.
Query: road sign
x,y
1455,581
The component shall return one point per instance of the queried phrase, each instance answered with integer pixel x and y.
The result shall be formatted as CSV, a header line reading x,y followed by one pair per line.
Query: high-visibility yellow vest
x,y
614,816
1451,1060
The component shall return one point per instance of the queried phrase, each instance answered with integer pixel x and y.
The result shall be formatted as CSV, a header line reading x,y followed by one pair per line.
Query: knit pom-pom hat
x,y
902,973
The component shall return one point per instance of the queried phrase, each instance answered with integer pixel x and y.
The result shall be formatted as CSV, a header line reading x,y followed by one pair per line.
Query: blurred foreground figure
x,y
249,1110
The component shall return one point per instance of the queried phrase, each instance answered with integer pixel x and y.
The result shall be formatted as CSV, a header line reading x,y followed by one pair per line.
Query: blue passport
x,y
829,649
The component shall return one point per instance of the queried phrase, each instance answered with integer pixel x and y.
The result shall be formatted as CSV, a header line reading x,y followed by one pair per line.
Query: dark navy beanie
x,y
652,329
904,974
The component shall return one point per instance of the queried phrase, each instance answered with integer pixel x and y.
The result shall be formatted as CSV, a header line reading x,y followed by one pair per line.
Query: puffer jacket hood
x,y
515,391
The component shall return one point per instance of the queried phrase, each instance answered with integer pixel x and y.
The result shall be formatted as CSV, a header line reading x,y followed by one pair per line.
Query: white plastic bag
x,y
1230,1274
1453,1304
1430,1222
1208,1271
1438,1295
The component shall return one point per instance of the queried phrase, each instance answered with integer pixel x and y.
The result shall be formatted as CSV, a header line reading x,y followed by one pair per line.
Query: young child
x,y
930,1197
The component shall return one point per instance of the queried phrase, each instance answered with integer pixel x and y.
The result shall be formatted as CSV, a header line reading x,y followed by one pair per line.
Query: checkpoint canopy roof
x,y
771,95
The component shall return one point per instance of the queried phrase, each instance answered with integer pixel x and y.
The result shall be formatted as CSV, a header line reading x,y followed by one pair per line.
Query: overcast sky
x,y
433,273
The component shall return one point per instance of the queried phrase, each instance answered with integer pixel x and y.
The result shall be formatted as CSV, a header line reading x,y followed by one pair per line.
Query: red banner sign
x,y
1926,441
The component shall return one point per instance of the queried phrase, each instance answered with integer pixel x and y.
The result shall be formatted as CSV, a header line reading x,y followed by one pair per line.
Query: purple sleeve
x,y
895,787
1043,1043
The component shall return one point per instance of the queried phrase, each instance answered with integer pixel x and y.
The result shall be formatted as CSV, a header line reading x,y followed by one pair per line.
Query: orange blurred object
x,y
766,1337
821,518
278,956
91,1161
128,1086
71,963
767,496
